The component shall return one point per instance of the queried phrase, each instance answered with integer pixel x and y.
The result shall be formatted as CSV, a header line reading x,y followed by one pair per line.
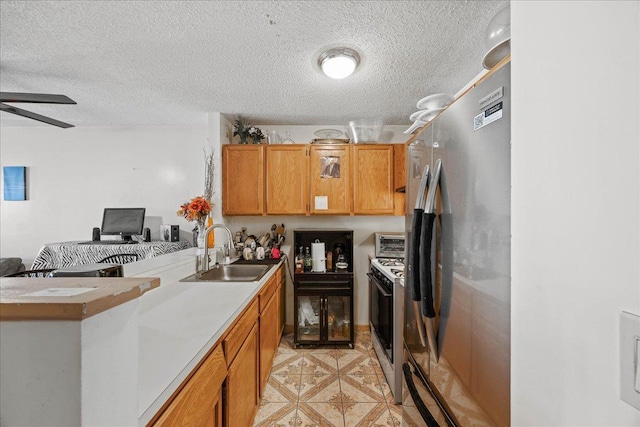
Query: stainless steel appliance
x,y
457,294
385,312
389,245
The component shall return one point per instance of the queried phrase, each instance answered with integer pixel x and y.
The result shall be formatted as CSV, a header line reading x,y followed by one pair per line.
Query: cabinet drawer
x,y
195,402
233,341
267,292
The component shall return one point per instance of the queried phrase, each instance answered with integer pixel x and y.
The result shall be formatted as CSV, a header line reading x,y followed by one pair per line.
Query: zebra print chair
x,y
32,273
119,259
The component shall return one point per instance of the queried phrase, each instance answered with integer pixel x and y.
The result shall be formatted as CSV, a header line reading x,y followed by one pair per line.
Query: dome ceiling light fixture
x,y
339,62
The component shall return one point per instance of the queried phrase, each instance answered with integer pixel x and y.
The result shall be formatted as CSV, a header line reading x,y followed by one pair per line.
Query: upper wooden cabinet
x,y
330,178
303,179
399,177
242,179
373,179
287,179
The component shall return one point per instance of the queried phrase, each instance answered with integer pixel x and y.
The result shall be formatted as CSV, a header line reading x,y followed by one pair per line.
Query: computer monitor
x,y
123,221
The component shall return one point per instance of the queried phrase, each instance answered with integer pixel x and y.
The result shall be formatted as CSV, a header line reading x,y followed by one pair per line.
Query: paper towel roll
x,y
318,257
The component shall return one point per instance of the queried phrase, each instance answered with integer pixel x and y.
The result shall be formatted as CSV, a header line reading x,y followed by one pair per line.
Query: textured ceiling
x,y
149,63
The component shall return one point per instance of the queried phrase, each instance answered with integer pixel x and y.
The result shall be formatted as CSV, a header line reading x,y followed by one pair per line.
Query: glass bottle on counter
x,y
299,262
307,260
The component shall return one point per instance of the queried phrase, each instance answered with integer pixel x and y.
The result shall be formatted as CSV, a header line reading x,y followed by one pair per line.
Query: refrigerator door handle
x,y
413,276
426,266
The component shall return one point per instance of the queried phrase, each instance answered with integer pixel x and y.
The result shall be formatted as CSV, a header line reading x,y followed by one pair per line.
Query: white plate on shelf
x,y
328,133
429,115
496,54
415,115
417,124
439,100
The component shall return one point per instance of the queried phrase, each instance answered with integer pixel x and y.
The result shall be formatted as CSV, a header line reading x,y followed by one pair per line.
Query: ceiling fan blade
x,y
24,113
39,98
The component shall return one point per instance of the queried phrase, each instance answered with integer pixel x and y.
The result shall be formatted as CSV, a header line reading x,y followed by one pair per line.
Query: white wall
x,y
575,204
72,174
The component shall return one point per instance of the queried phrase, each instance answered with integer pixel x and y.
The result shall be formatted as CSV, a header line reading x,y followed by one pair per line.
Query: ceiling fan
x,y
37,98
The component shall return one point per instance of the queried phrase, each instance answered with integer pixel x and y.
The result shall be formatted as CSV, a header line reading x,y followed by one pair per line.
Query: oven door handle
x,y
382,290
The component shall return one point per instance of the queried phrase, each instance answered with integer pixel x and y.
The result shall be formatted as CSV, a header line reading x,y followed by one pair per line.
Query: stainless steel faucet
x,y
205,264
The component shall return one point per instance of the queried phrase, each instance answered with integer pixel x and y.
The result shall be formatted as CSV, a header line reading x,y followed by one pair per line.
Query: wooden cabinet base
x,y
199,403
242,384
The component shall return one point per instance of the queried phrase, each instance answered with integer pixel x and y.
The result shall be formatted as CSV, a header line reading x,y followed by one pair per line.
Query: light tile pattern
x,y
326,387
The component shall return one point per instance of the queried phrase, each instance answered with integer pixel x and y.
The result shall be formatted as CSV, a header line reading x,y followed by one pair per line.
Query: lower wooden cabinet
x,y
199,403
281,292
243,357
242,383
269,337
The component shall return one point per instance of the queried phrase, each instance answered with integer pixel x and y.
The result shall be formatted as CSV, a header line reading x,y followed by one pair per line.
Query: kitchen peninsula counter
x,y
67,298
119,366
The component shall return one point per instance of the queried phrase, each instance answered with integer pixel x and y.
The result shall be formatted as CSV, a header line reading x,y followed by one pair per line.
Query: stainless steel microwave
x,y
389,244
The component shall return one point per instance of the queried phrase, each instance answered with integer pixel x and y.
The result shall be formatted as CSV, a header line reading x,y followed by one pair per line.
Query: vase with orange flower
x,y
197,209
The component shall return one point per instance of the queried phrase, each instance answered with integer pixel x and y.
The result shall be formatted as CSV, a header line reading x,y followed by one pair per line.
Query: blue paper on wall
x,y
15,182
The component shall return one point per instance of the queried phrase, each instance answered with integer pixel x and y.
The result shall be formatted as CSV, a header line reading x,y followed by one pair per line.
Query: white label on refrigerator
x,y
489,115
492,97
321,202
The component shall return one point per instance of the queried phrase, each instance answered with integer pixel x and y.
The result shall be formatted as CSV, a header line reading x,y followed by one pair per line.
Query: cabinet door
x,y
282,294
242,180
309,318
339,319
243,383
330,180
373,180
198,403
268,338
287,179
399,177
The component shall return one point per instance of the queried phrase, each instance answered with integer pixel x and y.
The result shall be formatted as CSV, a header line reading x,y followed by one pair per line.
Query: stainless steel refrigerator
x,y
457,277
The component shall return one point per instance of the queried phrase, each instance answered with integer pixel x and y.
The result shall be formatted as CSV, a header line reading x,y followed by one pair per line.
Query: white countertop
x,y
179,322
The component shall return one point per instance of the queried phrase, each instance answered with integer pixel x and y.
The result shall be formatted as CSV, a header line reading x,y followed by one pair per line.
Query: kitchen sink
x,y
230,273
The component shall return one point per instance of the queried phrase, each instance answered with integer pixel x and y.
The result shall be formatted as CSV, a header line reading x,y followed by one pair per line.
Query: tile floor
x,y
327,386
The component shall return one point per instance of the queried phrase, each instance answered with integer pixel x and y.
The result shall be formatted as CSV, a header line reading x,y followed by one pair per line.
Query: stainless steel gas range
x,y
386,293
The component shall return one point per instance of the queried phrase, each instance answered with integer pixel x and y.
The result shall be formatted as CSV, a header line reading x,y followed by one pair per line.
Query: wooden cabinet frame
x,y
373,179
304,179
287,179
237,367
199,402
305,285
243,180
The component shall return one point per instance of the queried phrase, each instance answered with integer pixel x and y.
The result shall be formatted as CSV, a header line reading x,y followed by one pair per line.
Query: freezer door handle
x,y
413,276
426,266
